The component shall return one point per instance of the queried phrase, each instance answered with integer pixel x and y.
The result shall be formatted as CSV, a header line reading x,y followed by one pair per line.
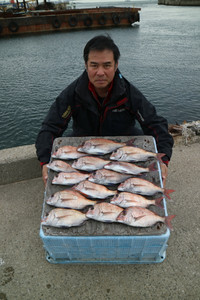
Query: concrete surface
x,y
26,275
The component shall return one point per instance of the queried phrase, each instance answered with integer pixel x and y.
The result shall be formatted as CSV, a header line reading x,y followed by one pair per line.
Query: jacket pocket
x,y
119,122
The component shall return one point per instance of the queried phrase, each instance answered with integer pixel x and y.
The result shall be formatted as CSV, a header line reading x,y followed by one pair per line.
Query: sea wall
x,y
18,163
180,2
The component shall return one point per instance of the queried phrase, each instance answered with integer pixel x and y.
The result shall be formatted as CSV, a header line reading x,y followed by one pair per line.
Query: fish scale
x,y
94,190
130,153
107,177
62,217
125,199
142,187
128,168
142,217
100,146
89,163
69,199
60,166
64,178
104,212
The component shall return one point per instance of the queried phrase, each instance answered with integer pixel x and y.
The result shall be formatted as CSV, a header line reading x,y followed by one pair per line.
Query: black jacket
x,y
115,117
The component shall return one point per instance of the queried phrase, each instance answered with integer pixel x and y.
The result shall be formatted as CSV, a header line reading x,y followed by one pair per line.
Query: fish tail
x,y
168,221
130,142
159,156
158,202
167,192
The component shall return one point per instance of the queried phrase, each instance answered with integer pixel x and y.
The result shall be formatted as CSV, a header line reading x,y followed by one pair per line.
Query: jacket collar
x,y
116,90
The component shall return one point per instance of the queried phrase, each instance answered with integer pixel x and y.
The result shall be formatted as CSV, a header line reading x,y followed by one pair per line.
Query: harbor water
x,y
159,55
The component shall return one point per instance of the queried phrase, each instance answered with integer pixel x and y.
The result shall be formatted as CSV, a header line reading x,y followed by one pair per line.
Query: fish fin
x,y
84,194
158,202
138,218
65,200
130,142
168,221
167,192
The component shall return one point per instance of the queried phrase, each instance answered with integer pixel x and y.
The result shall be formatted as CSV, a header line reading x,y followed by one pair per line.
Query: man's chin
x,y
103,84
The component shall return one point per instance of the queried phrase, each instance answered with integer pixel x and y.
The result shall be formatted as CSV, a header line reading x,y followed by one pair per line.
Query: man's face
x,y
101,69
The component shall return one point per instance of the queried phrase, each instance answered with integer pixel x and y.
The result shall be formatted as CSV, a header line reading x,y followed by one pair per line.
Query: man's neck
x,y
102,92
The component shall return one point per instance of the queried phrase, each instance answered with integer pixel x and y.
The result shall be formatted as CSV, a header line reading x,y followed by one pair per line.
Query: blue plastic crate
x,y
107,249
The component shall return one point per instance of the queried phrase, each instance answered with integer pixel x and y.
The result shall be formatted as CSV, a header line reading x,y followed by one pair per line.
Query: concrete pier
x,y
26,275
180,2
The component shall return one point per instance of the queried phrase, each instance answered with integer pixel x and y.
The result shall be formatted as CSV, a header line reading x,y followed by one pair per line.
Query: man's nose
x,y
100,71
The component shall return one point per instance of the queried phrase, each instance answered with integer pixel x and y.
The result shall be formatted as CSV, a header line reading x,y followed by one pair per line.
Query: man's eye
x,y
107,66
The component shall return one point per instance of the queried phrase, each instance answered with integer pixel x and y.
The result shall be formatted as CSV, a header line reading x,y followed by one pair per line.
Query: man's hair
x,y
101,43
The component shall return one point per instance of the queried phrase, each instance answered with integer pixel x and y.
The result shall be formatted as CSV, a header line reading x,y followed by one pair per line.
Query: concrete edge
x,y
21,163
18,163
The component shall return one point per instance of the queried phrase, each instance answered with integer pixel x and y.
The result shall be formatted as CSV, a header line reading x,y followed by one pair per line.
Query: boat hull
x,y
75,19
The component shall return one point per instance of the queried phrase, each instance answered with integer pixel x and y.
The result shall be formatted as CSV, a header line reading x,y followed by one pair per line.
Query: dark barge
x,y
39,21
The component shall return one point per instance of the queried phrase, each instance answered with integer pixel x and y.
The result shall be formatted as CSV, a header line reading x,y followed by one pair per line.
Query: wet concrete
x,y
26,275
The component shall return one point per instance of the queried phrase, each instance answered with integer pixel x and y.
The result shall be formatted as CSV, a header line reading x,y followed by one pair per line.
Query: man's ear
x,y
86,68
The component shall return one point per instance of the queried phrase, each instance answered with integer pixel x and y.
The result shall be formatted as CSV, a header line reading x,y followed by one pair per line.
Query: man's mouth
x,y
100,81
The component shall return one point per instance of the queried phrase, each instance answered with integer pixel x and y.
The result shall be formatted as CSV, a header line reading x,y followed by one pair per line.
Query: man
x,y
102,102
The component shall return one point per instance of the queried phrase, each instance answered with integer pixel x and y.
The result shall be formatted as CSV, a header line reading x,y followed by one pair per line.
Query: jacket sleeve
x,y
152,124
54,125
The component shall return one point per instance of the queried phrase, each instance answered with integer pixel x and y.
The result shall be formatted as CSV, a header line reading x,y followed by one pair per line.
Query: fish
x,y
128,168
89,163
143,187
94,190
104,212
67,152
142,217
64,178
60,166
100,146
69,199
107,177
130,153
62,217
125,199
